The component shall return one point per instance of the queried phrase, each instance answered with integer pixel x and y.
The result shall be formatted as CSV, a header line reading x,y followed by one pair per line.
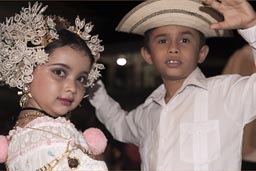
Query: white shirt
x,y
200,128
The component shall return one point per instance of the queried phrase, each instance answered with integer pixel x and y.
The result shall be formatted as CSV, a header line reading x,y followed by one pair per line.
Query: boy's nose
x,y
173,48
173,51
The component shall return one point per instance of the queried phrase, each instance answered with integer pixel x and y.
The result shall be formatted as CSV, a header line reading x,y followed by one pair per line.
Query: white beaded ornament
x,y
23,38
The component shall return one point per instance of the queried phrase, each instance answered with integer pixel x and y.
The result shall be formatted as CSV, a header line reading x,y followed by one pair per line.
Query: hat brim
x,y
155,13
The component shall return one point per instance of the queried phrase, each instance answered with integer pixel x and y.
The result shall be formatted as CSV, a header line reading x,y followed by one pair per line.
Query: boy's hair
x,y
147,39
68,38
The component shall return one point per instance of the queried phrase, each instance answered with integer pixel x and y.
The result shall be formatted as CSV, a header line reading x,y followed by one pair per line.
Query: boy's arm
x,y
250,36
120,124
238,14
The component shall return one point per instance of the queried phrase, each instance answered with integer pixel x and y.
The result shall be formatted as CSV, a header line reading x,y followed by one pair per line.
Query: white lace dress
x,y
46,140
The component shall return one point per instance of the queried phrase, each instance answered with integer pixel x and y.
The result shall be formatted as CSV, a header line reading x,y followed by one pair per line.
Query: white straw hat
x,y
154,13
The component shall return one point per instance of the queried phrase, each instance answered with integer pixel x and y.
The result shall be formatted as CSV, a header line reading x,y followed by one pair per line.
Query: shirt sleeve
x,y
250,36
119,122
241,98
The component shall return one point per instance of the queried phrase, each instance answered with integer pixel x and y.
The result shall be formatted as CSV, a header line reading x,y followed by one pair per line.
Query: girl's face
x,y
174,51
58,86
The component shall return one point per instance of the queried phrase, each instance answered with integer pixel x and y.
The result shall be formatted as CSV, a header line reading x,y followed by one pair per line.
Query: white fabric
x,y
242,62
200,128
250,38
31,148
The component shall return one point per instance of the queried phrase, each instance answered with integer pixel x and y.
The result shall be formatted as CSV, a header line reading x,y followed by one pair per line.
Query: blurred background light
x,y
121,61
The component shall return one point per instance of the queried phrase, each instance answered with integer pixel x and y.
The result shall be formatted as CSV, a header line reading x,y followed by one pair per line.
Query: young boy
x,y
190,122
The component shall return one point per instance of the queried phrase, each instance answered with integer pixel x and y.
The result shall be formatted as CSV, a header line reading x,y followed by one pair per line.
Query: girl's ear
x,y
146,55
203,54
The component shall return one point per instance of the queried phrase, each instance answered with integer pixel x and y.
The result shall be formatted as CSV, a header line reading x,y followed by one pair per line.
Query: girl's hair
x,y
68,38
147,39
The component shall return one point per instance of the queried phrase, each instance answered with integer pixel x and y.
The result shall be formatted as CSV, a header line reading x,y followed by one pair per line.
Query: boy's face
x,y
174,51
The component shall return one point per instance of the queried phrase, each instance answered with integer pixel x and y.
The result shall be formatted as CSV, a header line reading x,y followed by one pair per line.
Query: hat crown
x,y
155,13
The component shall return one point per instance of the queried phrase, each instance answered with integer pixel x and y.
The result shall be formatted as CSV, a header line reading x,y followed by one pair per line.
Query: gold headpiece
x,y
23,39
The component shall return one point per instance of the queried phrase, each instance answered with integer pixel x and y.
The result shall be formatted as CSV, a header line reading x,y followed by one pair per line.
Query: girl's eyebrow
x,y
59,64
66,66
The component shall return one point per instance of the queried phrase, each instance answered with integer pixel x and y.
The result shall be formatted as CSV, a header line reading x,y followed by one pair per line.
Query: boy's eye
x,y
59,72
184,40
162,41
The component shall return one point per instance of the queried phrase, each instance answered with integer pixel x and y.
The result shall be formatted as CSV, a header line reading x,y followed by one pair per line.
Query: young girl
x,y
52,64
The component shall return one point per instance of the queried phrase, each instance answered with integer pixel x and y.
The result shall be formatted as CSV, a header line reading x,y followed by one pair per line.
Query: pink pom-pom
x,y
96,140
3,148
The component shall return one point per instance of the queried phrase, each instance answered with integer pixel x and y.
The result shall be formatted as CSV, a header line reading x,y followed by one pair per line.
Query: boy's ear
x,y
203,54
146,55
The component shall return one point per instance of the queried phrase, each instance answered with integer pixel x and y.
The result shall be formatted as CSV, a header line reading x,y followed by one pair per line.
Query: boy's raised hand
x,y
238,14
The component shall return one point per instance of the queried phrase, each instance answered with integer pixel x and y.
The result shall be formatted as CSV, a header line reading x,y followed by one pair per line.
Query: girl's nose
x,y
71,86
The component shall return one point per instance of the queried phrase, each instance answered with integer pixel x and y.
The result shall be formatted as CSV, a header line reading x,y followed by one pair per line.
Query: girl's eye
x,y
59,72
82,79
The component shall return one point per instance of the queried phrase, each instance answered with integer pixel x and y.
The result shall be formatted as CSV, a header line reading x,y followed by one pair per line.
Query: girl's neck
x,y
28,114
33,109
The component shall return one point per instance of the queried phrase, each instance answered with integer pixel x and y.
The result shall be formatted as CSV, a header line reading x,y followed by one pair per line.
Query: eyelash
x,y
59,72
162,41
62,73
183,40
84,79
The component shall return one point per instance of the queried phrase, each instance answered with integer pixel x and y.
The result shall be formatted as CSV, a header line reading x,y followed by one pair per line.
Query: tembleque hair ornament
x,y
23,38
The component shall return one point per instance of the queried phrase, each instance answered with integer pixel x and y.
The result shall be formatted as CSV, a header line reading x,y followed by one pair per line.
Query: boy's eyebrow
x,y
160,35
187,32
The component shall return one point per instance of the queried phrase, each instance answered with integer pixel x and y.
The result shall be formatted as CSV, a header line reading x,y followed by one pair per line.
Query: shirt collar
x,y
196,78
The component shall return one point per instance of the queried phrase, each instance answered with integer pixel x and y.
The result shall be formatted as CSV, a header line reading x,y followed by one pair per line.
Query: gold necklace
x,y
32,114
25,118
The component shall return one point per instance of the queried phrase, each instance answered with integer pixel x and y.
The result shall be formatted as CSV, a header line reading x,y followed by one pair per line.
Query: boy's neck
x,y
171,88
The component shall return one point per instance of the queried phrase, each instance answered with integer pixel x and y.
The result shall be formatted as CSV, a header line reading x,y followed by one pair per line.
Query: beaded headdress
x,y
23,38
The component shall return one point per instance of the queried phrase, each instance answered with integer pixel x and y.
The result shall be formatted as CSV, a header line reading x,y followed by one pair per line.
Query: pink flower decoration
x,y
96,140
3,148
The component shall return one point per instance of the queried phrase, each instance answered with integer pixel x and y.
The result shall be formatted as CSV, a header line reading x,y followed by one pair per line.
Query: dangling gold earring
x,y
25,95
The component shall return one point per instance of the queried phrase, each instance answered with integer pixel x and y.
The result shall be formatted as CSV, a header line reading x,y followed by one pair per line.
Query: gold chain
x,y
27,117
34,114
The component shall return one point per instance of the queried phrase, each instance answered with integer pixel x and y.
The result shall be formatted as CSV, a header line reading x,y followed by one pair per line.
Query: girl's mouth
x,y
65,102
